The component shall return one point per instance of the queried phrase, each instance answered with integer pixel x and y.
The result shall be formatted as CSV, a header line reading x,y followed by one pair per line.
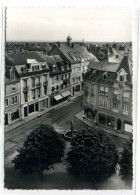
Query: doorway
x,y
119,124
25,112
6,119
36,106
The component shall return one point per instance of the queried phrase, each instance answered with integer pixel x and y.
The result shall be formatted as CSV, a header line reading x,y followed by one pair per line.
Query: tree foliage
x,y
42,148
126,160
93,154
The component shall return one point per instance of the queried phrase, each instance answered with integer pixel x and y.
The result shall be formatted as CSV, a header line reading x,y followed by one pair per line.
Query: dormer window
x,y
54,68
122,75
121,78
12,74
105,75
62,68
94,72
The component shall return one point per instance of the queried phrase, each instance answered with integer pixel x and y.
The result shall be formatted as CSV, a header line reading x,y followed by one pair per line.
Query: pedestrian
x,y
117,169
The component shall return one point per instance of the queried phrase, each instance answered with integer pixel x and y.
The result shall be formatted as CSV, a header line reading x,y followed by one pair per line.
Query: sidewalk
x,y
123,135
38,114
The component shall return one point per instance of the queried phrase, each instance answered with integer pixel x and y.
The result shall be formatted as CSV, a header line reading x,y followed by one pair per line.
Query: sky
x,y
55,24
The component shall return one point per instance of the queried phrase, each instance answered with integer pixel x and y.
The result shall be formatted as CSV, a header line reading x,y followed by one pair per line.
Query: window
x,y
6,102
15,99
13,87
33,94
52,89
45,90
25,97
15,115
110,121
52,80
102,119
121,78
103,103
125,107
12,100
38,92
33,68
12,74
33,82
79,69
115,106
126,96
57,87
73,80
104,90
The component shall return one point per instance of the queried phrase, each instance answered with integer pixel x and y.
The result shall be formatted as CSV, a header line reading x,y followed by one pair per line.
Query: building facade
x,y
12,96
33,72
108,94
78,57
60,78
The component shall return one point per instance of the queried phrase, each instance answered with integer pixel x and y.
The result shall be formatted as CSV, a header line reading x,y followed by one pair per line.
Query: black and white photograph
x,y
68,99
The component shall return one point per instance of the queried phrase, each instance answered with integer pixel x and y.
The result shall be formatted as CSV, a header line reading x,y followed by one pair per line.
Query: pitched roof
x,y
51,59
111,68
104,66
75,51
21,58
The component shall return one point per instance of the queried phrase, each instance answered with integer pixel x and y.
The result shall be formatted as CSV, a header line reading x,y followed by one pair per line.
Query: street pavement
x,y
58,178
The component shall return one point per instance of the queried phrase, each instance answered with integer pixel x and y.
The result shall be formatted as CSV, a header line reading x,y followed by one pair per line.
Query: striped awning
x,y
66,93
58,97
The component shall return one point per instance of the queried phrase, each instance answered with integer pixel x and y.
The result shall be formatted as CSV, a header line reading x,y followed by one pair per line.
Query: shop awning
x,y
66,93
58,97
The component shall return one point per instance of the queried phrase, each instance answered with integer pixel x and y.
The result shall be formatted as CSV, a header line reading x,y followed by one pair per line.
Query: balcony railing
x,y
38,84
45,83
115,97
25,88
126,99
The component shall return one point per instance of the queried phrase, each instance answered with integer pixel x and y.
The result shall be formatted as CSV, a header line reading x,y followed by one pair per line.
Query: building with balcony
x,y
60,78
108,94
12,96
33,72
78,57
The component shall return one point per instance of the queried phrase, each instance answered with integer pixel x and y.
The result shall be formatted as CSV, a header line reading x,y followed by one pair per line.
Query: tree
x,y
42,148
93,154
126,161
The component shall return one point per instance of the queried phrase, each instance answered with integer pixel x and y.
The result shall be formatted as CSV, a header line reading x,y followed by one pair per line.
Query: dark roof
x,y
58,61
21,58
51,59
7,75
125,64
104,66
75,51
111,69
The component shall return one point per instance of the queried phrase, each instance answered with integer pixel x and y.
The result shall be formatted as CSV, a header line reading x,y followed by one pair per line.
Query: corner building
x,y
108,94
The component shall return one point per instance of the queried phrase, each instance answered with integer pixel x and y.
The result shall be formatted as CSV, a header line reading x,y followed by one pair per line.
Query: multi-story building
x,y
33,72
78,57
12,96
108,94
60,74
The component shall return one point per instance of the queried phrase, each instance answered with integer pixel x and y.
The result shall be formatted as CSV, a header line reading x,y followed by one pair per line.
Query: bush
x,y
93,154
42,148
126,161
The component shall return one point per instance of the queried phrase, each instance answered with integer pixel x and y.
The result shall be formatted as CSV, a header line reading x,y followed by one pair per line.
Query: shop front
x,y
89,113
66,94
106,120
56,99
